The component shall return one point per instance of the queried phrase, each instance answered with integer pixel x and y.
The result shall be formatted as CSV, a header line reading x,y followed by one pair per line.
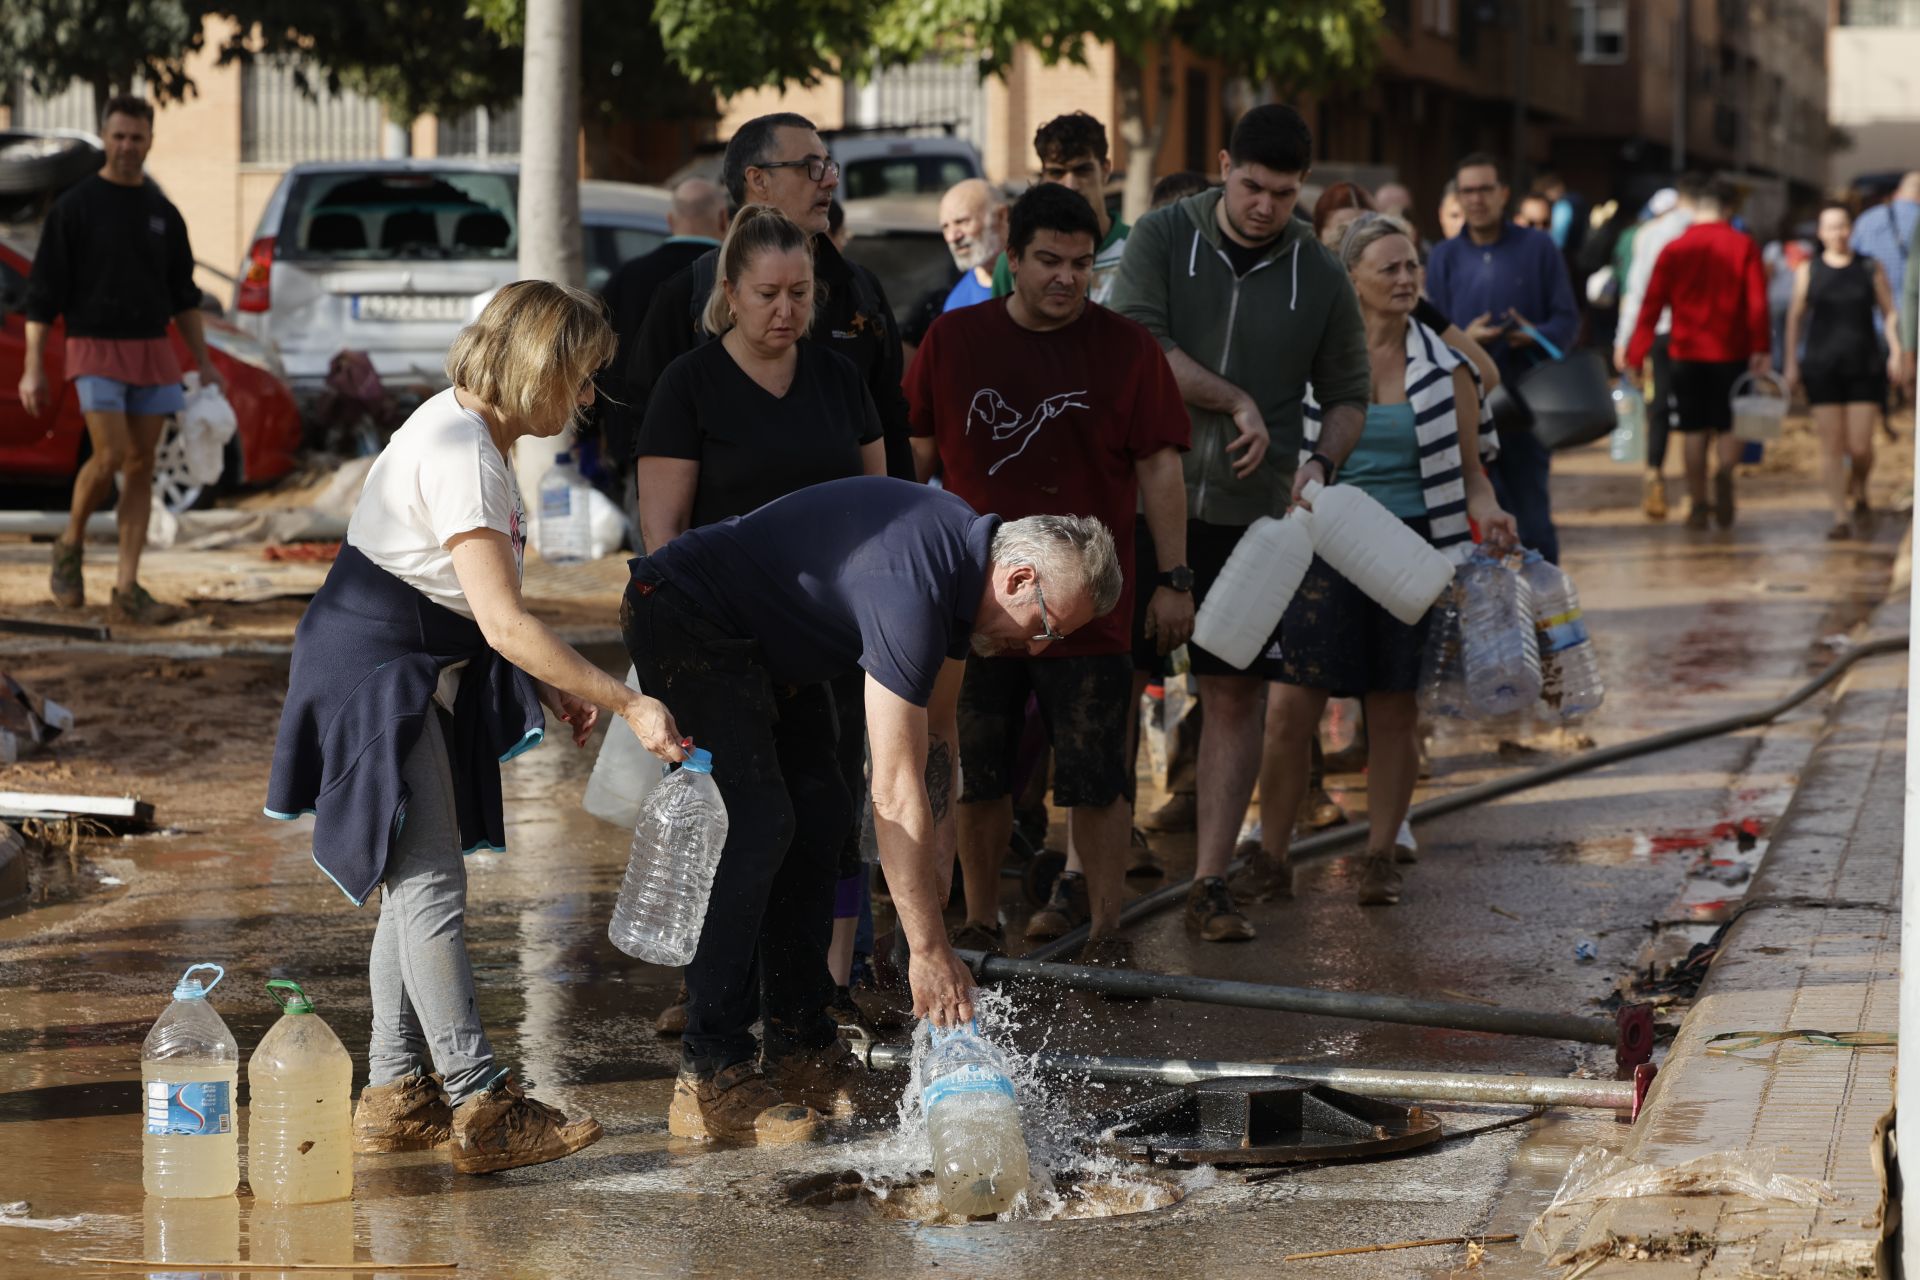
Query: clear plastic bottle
x,y
973,1123
1628,443
189,1067
1570,683
300,1113
1499,651
624,773
1443,679
1374,549
676,847
1256,584
564,532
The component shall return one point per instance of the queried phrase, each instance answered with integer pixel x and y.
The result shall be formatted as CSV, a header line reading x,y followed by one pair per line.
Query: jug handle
x,y
297,1002
219,972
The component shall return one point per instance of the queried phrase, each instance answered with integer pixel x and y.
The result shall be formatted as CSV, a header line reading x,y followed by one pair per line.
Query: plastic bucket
x,y
1570,400
1756,416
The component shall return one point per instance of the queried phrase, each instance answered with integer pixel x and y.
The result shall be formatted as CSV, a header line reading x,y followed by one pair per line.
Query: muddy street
x,y
1640,860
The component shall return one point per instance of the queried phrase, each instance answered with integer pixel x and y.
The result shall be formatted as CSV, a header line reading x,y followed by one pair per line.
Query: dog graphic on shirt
x,y
1004,422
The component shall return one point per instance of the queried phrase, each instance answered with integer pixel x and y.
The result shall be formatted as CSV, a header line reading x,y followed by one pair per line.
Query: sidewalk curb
x,y
1816,947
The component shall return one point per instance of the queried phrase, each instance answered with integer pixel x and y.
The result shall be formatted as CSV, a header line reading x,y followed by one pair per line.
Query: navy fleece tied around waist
x,y
367,657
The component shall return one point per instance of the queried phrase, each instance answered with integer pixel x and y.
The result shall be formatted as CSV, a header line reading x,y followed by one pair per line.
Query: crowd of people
x,y
867,584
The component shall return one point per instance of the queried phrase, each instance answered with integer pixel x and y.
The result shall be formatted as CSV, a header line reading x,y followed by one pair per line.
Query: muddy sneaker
x,y
1723,497
407,1115
1379,881
1320,811
1404,847
1269,879
1177,814
68,586
1653,496
672,1020
1066,910
832,1082
135,606
1212,914
974,936
503,1128
1699,515
1142,862
738,1104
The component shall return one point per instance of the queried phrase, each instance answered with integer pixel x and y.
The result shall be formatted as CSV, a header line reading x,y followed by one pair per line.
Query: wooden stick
x,y
146,1264
1403,1244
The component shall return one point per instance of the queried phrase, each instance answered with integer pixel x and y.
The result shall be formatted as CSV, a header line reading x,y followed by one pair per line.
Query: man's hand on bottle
x,y
942,986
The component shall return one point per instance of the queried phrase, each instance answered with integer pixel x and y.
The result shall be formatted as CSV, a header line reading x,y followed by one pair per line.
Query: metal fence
x,y
281,125
930,92
482,134
72,109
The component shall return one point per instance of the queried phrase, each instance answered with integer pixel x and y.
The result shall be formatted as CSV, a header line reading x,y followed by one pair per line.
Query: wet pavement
x,y
1689,626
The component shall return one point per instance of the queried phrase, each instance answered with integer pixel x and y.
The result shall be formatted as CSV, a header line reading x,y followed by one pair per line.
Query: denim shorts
x,y
109,395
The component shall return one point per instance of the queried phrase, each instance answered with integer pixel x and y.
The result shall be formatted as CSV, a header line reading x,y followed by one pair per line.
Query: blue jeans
x,y
107,395
1520,482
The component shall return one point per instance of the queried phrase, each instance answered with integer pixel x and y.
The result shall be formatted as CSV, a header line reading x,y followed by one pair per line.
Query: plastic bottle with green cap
x,y
299,1133
189,1067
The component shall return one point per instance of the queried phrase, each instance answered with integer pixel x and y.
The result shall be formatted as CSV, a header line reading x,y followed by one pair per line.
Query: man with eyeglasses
x,y
780,160
1048,404
1501,274
1073,153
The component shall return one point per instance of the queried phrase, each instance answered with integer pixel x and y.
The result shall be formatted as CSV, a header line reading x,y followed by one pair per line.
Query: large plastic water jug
x,y
1499,649
676,849
1628,444
973,1123
563,528
300,1116
624,773
1375,550
1570,683
1256,584
189,1067
1443,677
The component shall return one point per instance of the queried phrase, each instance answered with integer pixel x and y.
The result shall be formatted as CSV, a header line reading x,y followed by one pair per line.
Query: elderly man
x,y
973,219
896,583
1394,200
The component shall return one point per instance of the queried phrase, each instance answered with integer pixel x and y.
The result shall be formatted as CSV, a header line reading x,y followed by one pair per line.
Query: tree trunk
x,y
1142,128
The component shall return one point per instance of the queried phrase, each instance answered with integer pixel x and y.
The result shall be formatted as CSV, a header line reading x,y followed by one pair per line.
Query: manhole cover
x,y
1264,1120
1072,1196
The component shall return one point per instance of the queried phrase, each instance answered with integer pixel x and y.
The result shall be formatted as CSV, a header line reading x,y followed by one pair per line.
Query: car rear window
x,y
374,216
926,175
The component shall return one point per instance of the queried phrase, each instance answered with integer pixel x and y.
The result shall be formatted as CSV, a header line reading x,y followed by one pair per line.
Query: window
x,y
1600,30
1437,16
384,215
903,176
481,133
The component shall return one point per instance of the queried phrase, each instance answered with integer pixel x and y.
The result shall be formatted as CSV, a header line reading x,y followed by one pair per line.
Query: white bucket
x,y
1755,416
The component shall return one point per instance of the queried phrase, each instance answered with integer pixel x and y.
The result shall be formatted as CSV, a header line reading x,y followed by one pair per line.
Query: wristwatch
x,y
1178,578
1326,465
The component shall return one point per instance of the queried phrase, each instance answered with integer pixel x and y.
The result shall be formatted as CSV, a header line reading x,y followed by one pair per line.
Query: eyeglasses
x,y
1476,191
1046,624
818,168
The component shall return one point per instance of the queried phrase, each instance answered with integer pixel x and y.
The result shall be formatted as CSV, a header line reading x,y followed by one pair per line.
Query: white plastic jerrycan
x,y
1244,604
1374,549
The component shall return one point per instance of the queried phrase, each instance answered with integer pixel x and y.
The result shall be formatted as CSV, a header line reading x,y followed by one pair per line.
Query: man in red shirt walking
x,y
1712,279
1046,403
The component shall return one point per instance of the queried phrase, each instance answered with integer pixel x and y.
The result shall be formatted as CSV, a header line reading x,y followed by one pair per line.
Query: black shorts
x,y
1844,388
1084,706
1333,636
1703,394
1208,546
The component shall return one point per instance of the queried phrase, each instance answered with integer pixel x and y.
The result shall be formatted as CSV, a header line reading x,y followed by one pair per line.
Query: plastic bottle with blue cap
x,y
676,850
189,1069
979,1150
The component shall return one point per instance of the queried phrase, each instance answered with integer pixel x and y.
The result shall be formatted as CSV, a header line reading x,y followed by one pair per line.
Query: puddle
x,y
854,1195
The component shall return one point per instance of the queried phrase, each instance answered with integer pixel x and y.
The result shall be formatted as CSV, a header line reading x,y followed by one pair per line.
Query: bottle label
x,y
193,1108
970,1078
1561,632
556,503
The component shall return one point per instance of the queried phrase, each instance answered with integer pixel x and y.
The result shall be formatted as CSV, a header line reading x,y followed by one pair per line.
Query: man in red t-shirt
x,y
1046,403
1713,280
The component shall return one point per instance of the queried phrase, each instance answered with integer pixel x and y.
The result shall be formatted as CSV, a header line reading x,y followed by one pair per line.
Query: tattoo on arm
x,y
939,777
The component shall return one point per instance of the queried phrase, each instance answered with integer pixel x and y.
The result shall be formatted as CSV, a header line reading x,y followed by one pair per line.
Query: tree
x,y
1294,44
106,44
729,46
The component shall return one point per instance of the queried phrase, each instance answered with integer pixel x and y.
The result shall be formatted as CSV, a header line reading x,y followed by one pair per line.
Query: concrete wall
x,y
1874,96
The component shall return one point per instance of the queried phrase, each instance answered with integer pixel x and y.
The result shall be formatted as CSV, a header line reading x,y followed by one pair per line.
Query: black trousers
x,y
1660,407
763,950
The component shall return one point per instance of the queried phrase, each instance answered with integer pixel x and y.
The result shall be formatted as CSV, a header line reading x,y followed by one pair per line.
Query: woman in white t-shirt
x,y
441,512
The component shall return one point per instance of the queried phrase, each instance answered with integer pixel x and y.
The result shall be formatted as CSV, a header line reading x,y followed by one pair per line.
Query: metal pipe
x,y
1422,1086
1333,1004
1328,842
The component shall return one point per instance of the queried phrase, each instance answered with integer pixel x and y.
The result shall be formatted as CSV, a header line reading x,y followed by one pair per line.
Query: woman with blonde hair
x,y
416,671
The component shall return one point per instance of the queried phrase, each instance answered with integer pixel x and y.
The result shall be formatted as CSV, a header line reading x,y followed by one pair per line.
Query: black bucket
x,y
1570,401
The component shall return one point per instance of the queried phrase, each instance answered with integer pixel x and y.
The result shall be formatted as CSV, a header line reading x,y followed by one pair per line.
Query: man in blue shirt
x,y
1882,232
973,219
1497,274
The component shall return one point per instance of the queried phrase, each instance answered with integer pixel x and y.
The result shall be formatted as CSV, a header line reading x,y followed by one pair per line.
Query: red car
x,y
51,448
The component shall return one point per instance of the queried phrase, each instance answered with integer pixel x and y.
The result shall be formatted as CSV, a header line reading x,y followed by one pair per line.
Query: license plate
x,y
410,306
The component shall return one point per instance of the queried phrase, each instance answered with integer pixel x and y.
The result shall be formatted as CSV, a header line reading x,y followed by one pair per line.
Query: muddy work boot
x,y
1177,814
832,1082
69,588
1379,880
1212,914
737,1104
136,607
672,1020
1269,879
407,1115
502,1128
1066,909
1653,496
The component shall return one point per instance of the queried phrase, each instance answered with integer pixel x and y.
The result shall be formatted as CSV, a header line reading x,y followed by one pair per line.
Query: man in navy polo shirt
x,y
737,627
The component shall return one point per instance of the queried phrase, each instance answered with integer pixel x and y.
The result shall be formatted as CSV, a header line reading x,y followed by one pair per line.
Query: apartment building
x,y
1873,68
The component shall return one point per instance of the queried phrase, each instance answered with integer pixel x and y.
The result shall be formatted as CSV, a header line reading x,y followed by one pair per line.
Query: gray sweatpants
x,y
425,1014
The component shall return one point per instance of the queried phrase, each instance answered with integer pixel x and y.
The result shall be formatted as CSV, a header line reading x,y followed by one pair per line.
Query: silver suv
x,y
393,257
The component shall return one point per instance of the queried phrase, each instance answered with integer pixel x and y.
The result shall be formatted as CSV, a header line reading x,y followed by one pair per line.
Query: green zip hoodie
x,y
1289,321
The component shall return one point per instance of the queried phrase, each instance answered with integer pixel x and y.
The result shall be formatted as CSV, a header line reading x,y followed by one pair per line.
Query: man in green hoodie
x,y
1249,309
